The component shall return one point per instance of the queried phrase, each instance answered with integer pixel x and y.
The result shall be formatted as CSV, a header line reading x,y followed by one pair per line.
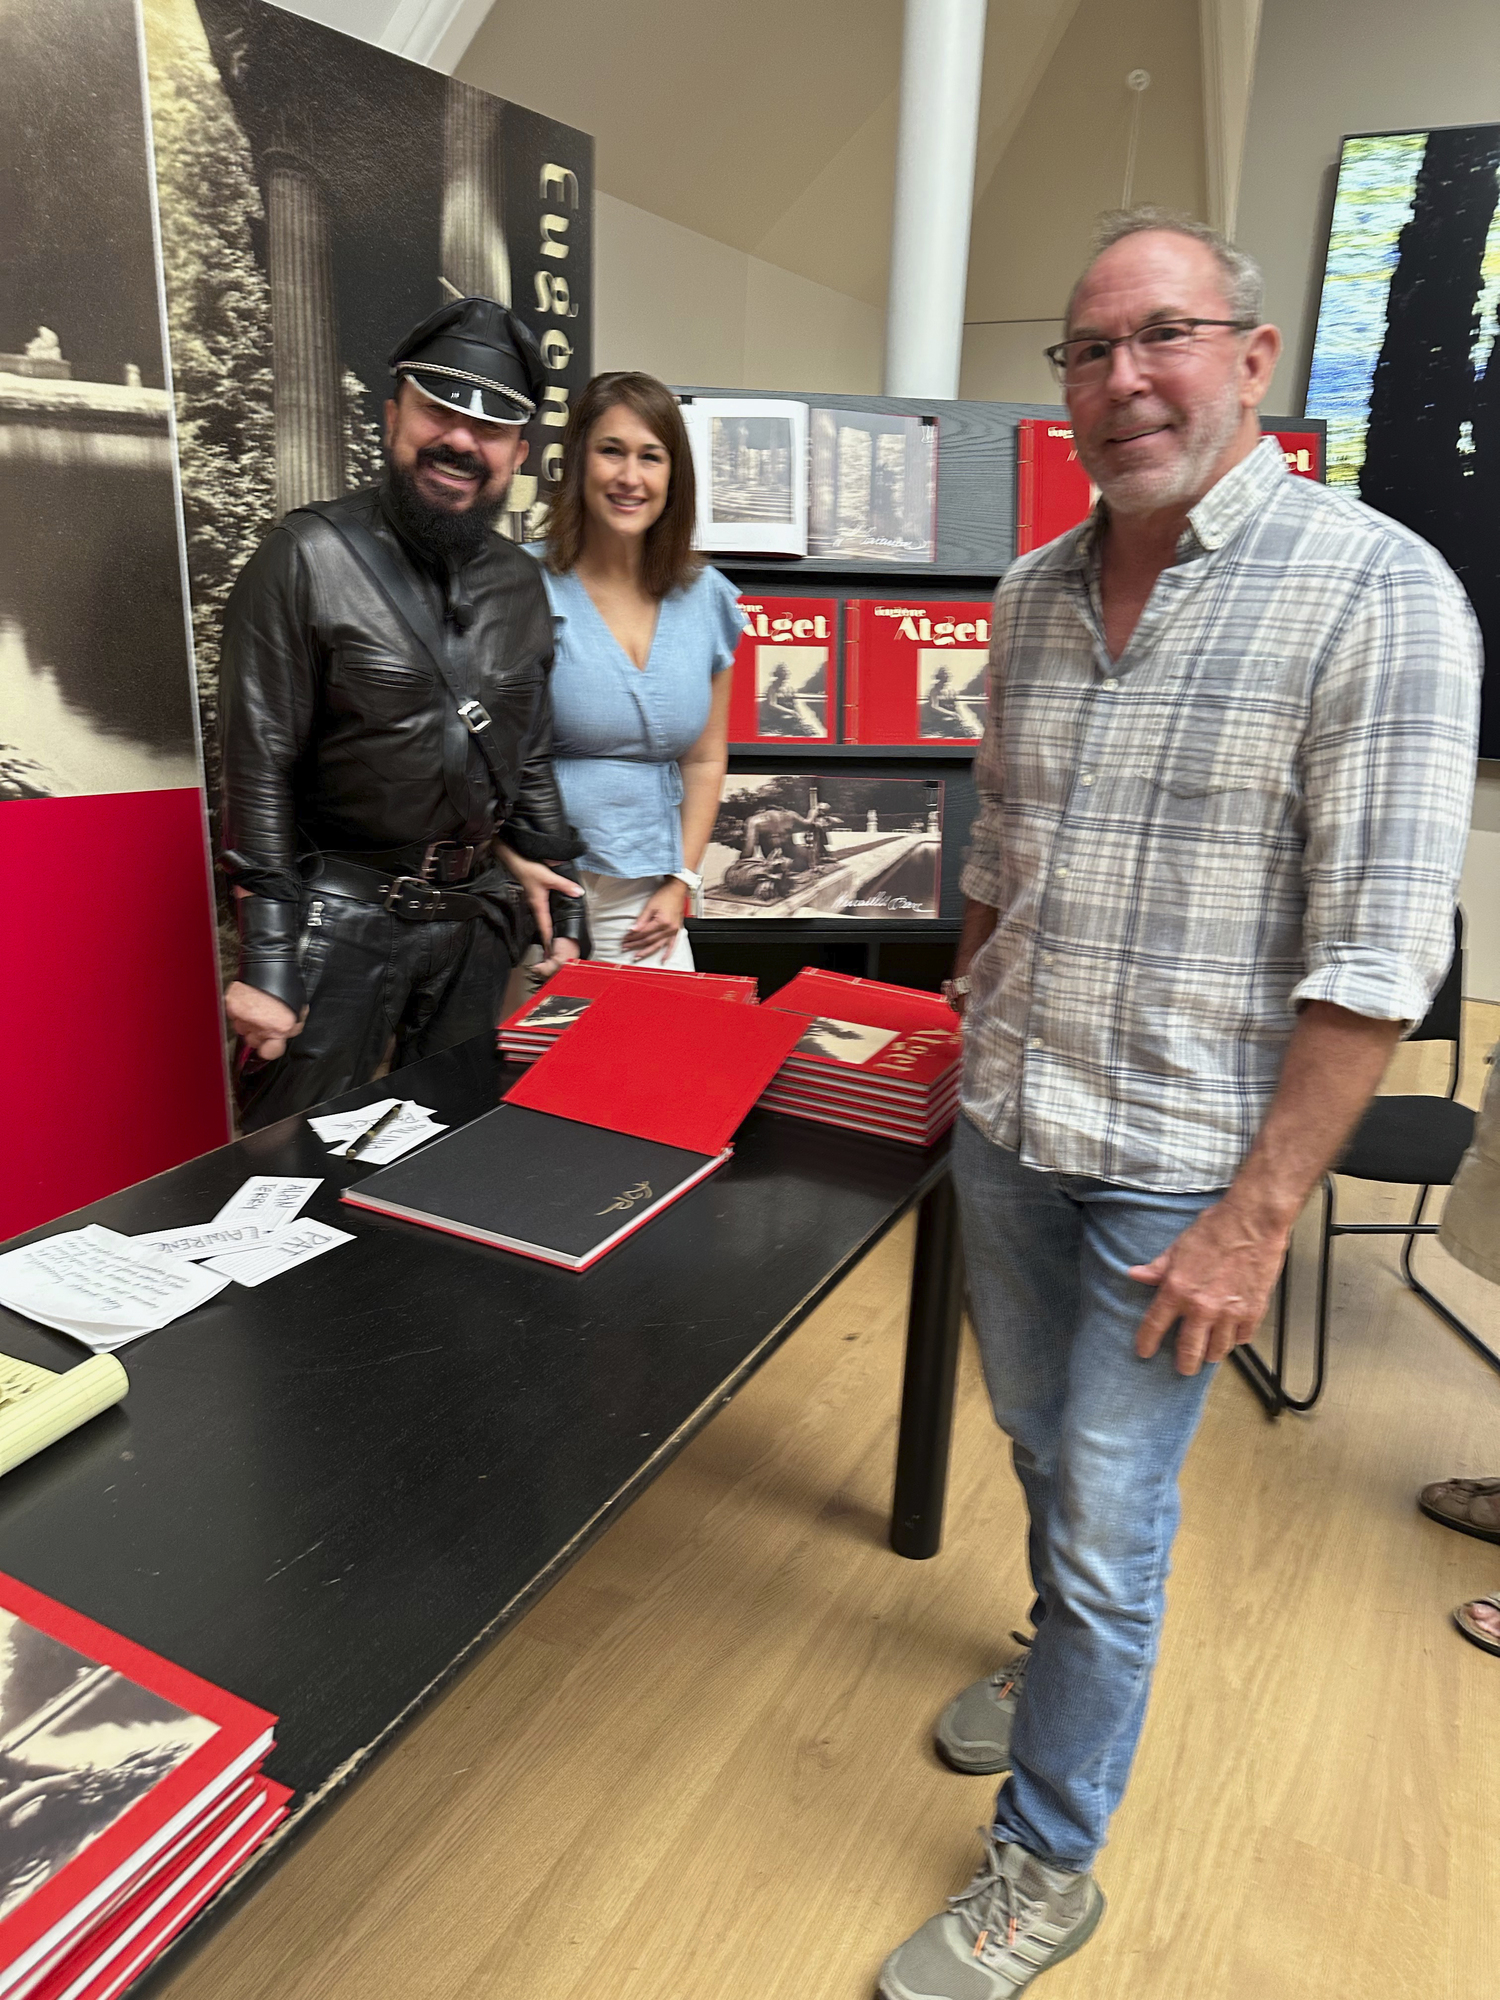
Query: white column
x,y
942,60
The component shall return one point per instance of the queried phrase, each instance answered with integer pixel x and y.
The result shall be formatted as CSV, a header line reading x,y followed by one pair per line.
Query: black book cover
x,y
542,1186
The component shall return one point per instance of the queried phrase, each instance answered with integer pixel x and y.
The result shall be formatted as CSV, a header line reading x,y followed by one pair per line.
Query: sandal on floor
x,y
1475,1633
1470,1505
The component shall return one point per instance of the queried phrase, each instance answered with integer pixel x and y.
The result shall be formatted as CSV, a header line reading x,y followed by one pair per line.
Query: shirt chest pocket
x,y
1225,753
367,680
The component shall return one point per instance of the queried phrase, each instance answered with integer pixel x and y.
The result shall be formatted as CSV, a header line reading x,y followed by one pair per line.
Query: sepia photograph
x,y
843,1041
752,469
96,688
79,1745
787,845
791,691
951,691
872,492
553,1010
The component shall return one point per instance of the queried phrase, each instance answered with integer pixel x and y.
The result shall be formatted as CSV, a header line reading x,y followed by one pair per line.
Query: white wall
x,y
691,309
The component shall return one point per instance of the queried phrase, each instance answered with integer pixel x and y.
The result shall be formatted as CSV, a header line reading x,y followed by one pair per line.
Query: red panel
x,y
112,1058
1303,451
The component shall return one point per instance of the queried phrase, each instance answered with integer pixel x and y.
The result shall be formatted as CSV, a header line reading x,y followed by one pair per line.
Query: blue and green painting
x,y
1406,360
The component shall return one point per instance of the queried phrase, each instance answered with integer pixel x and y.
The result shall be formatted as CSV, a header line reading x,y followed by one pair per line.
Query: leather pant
x,y
371,976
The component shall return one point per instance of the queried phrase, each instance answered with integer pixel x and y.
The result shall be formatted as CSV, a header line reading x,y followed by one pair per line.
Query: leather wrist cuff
x,y
268,949
570,918
562,844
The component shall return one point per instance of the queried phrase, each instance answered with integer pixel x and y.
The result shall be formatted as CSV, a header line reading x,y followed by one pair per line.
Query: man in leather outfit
x,y
390,813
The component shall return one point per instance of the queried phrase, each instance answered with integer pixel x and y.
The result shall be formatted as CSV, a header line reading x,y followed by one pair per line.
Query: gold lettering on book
x,y
628,1200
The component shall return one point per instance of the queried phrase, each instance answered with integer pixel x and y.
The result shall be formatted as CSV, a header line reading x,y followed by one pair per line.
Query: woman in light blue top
x,y
640,692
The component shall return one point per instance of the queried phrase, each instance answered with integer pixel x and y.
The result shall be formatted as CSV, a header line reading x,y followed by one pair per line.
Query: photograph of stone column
x,y
95,684
320,196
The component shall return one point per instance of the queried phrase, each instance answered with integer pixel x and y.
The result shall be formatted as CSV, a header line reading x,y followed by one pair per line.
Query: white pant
x,y
614,904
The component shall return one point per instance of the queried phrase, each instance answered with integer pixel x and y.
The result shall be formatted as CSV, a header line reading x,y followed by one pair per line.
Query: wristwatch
x,y
957,989
689,877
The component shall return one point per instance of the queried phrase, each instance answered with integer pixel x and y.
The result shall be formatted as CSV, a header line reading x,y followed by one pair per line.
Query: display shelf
x,y
802,752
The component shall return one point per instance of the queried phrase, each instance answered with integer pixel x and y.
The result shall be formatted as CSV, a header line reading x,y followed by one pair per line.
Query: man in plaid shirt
x,y
1224,795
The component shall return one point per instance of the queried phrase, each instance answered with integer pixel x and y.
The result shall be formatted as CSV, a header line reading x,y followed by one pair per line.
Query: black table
x,y
326,1493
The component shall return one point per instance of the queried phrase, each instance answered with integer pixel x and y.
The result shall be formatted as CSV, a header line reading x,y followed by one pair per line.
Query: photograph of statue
x,y
96,690
79,1745
1406,361
872,490
791,691
787,845
319,196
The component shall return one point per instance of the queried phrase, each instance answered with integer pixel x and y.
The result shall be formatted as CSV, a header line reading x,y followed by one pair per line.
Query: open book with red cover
x,y
118,1764
536,1024
636,1104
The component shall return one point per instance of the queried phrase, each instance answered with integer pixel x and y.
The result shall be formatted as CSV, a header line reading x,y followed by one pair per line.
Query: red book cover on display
x,y
784,671
1054,493
915,670
873,1001
129,1753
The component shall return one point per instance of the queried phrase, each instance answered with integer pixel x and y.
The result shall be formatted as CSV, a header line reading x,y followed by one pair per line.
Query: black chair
x,y
1403,1141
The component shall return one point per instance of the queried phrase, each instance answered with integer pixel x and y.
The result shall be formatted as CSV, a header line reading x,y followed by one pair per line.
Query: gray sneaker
x,y
1015,1919
973,1731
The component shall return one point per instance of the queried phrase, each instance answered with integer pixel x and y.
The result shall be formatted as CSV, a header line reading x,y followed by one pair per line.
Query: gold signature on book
x,y
628,1200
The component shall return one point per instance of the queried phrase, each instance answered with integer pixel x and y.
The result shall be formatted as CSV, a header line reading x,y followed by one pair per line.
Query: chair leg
x,y
1444,1313
1269,1383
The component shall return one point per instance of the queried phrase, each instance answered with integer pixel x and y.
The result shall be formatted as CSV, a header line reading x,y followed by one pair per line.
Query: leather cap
x,y
475,356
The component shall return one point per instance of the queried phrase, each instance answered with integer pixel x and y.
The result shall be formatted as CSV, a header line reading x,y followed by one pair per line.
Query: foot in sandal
x,y
1470,1505
1479,1620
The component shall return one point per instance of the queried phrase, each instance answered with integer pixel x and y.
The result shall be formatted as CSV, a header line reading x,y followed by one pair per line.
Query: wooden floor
x,y
700,1769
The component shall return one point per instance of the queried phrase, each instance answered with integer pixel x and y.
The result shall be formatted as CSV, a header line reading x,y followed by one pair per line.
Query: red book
x,y
783,671
668,1067
145,1923
873,1001
857,1121
125,1754
1054,493
915,670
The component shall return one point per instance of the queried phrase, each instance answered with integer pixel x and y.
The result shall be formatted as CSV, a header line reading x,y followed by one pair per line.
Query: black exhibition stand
x,y
327,1493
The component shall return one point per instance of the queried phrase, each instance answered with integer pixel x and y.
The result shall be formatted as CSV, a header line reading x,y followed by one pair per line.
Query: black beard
x,y
449,537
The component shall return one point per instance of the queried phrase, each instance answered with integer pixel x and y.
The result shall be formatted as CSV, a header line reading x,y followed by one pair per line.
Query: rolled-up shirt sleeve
x,y
980,879
1387,769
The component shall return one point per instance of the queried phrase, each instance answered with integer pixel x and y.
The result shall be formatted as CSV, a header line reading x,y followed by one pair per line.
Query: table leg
x,y
932,1330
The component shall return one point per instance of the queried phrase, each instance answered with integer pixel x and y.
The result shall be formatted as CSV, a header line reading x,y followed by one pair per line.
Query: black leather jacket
x,y
339,735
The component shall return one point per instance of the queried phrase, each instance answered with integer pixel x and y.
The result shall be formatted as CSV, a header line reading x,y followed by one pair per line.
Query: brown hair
x,y
668,560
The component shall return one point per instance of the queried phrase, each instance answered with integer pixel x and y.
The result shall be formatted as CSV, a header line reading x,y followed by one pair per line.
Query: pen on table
x,y
355,1146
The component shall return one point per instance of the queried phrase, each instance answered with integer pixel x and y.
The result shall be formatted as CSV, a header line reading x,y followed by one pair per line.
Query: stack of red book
x,y
130,1791
875,1058
535,1026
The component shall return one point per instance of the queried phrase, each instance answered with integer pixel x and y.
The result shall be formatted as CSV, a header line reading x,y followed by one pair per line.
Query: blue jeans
x,y
1098,1438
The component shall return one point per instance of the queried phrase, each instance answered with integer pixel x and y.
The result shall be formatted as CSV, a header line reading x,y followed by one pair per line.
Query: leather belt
x,y
404,896
447,861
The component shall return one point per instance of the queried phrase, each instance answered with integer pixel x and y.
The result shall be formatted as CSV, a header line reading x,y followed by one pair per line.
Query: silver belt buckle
x,y
475,716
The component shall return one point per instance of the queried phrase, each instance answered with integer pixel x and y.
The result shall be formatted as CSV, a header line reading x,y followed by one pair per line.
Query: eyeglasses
x,y
1165,343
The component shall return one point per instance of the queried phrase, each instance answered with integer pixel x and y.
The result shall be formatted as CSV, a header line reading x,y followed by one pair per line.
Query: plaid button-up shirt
x,y
1263,801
